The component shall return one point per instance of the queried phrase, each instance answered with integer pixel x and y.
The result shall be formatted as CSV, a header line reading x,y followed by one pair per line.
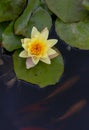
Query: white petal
x,y
25,40
29,63
45,55
25,43
46,60
45,33
35,32
23,54
51,52
35,59
22,40
52,42
53,56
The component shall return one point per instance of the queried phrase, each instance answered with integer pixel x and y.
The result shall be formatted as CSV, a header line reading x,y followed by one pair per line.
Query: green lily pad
x,y
2,28
9,40
68,10
42,74
22,22
75,34
10,9
44,6
40,19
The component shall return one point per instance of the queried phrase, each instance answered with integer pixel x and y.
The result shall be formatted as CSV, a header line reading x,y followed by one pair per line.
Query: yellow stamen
x,y
36,49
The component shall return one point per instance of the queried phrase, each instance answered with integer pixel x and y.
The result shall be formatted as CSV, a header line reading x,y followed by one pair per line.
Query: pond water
x,y
64,106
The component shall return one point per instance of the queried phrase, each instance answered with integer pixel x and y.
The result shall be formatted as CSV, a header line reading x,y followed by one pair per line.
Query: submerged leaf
x,y
66,85
42,74
73,109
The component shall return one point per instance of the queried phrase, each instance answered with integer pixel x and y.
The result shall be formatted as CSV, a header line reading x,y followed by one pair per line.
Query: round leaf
x,y
76,34
67,10
2,28
9,40
42,74
40,19
22,22
10,9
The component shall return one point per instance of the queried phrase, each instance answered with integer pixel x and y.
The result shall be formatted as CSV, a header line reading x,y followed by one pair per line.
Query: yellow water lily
x,y
38,48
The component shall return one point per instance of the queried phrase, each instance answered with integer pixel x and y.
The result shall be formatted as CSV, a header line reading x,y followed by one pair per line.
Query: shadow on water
x,y
64,106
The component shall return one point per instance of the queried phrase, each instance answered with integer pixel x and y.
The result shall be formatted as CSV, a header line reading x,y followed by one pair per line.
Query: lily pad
x,y
75,34
10,9
40,19
42,74
9,40
68,10
3,26
22,22
44,6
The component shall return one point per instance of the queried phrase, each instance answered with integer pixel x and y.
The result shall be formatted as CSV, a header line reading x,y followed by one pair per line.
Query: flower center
x,y
36,49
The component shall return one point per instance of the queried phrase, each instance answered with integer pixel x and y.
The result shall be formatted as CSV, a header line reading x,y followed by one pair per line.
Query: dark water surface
x,y
64,106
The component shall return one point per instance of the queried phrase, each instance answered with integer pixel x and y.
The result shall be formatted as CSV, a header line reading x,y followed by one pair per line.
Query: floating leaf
x,y
44,6
10,9
76,34
39,19
2,28
9,40
42,74
68,10
22,21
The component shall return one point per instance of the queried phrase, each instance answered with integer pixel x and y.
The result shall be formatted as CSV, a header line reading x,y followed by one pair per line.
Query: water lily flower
x,y
38,48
